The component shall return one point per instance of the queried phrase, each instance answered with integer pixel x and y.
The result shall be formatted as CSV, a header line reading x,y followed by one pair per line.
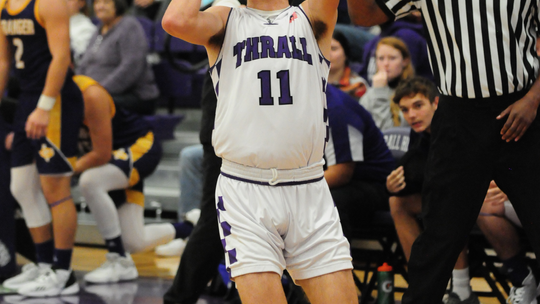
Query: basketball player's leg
x,y
95,185
335,287
138,237
261,287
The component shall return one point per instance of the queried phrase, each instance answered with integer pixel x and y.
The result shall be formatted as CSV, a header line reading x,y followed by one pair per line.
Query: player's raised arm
x,y
366,12
184,20
323,17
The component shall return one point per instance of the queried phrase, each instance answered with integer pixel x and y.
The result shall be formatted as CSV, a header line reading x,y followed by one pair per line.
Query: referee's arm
x,y
367,12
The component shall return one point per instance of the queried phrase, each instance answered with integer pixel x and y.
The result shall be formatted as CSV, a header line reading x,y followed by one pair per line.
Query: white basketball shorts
x,y
267,228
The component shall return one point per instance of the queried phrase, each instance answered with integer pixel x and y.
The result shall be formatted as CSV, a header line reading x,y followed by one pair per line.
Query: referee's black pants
x,y
204,251
466,153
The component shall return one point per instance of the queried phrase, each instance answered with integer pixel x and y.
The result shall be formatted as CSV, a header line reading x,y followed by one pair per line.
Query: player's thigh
x,y
260,288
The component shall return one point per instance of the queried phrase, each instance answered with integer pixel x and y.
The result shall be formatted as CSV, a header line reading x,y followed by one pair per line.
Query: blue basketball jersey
x,y
28,41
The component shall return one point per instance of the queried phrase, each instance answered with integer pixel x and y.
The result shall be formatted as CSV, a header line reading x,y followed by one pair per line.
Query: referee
x,y
484,60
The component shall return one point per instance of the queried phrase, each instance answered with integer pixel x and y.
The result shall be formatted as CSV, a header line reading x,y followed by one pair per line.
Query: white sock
x,y
461,283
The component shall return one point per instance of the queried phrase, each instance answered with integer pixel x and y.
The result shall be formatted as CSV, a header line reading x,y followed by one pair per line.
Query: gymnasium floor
x,y
156,275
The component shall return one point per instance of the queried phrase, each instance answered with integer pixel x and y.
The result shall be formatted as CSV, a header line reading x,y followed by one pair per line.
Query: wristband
x,y
46,103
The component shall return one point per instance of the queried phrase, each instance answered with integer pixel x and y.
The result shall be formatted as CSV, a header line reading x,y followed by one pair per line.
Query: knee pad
x,y
26,188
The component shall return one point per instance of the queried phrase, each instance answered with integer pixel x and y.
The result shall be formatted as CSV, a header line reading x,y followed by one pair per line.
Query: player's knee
x,y
88,182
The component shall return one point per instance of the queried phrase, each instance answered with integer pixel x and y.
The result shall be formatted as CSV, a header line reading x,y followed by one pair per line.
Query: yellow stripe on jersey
x,y
135,197
54,129
72,161
36,14
20,9
84,82
2,4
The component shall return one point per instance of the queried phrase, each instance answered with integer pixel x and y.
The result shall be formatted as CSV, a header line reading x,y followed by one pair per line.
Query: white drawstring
x,y
274,181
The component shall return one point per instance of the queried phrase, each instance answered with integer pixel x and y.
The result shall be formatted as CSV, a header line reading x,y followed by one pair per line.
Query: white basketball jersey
x,y
270,78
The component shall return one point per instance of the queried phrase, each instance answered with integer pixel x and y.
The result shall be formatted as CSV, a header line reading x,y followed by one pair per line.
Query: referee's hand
x,y
395,182
520,116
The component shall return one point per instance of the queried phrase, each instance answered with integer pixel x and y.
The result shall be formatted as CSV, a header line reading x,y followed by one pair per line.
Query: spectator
x,y
393,65
341,75
498,221
418,100
411,31
116,58
357,161
81,28
189,204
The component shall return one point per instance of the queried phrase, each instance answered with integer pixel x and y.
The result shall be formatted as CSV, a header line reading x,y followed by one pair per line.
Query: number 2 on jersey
x,y
19,64
266,88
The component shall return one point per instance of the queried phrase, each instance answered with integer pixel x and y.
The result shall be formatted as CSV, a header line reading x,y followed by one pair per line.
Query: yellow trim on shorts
x,y
54,130
142,146
2,4
134,177
36,13
135,197
72,161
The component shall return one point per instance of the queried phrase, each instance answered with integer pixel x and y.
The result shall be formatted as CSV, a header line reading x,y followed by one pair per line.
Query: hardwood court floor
x,y
156,275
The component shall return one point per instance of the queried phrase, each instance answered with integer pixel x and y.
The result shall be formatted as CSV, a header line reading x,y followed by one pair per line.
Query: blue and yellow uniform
x,y
135,150
55,153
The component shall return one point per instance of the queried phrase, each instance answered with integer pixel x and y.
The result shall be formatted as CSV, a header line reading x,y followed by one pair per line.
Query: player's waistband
x,y
273,177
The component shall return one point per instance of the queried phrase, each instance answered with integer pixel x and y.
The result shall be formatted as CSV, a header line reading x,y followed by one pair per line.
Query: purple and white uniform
x,y
274,206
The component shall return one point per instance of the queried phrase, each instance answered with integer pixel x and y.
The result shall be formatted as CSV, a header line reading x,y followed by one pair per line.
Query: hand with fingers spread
x,y
520,116
395,182
36,124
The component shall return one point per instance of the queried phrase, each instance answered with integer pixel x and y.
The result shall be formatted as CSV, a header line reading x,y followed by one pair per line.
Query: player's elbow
x,y
174,24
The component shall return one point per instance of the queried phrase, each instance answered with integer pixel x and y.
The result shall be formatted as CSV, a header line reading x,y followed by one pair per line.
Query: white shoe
x,y
193,216
173,248
526,294
51,283
29,273
116,268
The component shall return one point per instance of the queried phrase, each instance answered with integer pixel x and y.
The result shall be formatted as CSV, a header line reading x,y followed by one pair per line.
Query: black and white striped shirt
x,y
477,48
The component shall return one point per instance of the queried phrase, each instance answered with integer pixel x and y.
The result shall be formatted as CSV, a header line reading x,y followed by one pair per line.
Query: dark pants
x,y
203,253
466,153
134,104
357,201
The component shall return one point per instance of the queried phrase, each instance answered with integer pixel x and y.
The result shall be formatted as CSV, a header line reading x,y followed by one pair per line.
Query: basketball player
x,y
275,211
113,191
35,38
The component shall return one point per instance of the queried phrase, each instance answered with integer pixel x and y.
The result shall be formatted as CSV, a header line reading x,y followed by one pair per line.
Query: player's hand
x,y
395,182
36,124
9,141
380,79
495,196
520,116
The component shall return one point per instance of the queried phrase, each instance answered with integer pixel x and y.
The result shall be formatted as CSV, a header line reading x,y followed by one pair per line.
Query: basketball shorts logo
x,y
46,152
120,154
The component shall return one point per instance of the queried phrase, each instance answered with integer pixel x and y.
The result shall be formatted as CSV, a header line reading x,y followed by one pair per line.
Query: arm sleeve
x,y
133,47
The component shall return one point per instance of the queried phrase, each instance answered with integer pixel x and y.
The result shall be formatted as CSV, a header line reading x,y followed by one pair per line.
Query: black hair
x,y
340,37
415,85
